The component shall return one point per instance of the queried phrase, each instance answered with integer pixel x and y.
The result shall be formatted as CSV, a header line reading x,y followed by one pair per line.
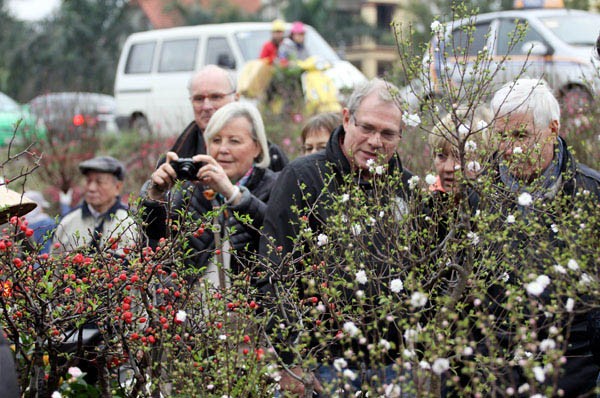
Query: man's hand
x,y
163,178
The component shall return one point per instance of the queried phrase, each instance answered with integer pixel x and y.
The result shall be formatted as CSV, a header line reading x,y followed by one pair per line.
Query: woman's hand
x,y
212,175
163,178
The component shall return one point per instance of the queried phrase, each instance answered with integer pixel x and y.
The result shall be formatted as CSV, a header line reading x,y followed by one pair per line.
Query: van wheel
x,y
141,126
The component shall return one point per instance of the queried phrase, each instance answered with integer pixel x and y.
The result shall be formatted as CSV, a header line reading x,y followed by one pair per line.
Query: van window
x,y
218,52
251,42
178,55
507,39
140,58
461,37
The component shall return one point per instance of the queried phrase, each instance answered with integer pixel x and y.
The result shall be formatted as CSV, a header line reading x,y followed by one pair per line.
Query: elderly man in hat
x,y
101,216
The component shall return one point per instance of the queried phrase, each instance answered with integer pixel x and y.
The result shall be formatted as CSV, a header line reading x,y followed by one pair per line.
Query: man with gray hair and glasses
x,y
360,151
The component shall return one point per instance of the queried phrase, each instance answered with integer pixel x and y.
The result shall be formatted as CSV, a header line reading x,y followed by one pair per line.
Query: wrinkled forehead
x,y
514,122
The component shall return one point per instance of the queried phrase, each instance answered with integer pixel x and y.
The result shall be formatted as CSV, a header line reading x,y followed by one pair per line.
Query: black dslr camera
x,y
186,168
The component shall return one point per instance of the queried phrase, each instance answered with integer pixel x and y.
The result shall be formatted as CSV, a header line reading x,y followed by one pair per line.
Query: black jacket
x,y
245,238
191,142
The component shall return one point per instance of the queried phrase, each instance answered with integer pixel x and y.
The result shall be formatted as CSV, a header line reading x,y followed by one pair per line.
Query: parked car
x,y
557,45
69,114
155,67
16,122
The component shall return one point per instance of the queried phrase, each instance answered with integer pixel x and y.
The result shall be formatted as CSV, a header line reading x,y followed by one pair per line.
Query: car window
x,y
178,55
511,40
466,41
218,52
577,30
140,58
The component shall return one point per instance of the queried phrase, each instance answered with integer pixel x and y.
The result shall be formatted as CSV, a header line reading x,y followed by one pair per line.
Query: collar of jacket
x,y
336,155
85,210
186,145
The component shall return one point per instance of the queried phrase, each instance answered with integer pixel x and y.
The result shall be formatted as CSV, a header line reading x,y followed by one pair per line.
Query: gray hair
x,y
213,68
386,92
241,109
527,96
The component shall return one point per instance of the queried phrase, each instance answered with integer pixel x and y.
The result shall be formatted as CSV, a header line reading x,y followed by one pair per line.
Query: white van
x,y
155,67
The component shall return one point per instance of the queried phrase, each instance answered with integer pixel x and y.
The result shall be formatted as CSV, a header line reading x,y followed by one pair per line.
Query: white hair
x,y
241,109
214,69
527,96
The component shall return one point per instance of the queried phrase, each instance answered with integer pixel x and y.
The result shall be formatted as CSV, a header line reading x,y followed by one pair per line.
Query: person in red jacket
x,y
270,48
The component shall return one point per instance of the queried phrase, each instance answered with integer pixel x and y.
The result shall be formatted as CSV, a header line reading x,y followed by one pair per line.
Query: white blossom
x,y
383,343
570,304
392,390
430,179
356,229
361,277
573,265
517,150
411,120
436,27
413,182
322,240
346,197
379,170
410,335
539,374
348,374
360,294
381,214
370,163
482,125
56,394
396,285
467,351
351,329
74,371
473,237
543,280
525,199
560,269
463,130
470,146
505,277
554,228
538,396
181,316
424,365
523,388
440,365
408,353
547,344
321,307
339,364
418,299
510,219
222,337
534,288
585,279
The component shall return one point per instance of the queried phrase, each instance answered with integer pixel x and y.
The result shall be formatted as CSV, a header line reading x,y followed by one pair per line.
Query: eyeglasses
x,y
214,97
386,135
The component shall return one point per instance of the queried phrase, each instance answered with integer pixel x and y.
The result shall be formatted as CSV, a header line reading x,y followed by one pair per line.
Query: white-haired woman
x,y
233,173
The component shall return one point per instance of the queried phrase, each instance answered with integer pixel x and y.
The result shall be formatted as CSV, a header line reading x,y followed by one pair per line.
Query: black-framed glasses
x,y
386,134
213,97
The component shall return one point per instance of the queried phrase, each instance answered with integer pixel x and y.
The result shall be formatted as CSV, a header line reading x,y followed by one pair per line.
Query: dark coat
x,y
246,237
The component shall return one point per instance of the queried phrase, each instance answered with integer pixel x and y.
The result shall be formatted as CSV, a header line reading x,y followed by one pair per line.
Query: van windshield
x,y
585,34
251,43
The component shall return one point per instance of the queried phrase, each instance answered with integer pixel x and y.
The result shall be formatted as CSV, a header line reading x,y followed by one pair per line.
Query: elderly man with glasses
x,y
360,151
